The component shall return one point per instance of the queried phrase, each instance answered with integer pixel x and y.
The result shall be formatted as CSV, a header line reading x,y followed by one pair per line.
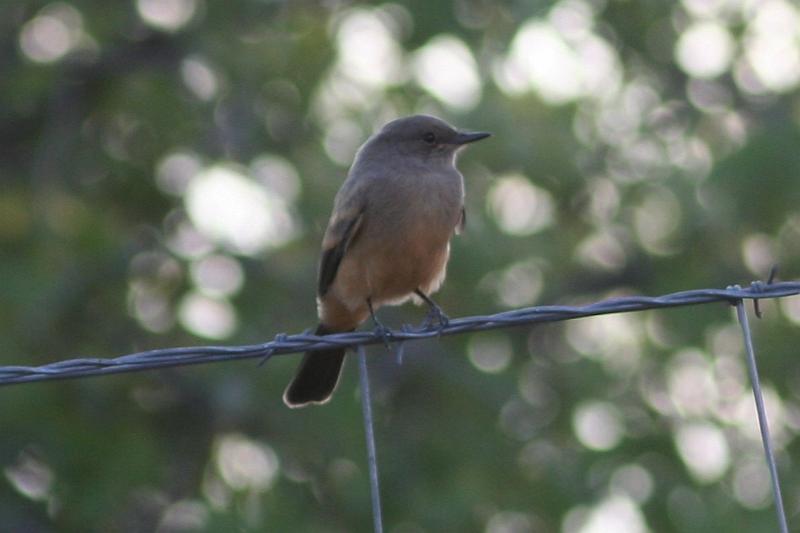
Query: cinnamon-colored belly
x,y
387,272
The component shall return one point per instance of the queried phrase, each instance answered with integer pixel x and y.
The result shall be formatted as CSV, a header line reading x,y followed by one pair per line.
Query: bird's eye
x,y
429,138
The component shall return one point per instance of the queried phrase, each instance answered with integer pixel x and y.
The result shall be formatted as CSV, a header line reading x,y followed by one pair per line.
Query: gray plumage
x,y
388,236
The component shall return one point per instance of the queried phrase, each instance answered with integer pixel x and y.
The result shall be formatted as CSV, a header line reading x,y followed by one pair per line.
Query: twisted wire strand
x,y
284,344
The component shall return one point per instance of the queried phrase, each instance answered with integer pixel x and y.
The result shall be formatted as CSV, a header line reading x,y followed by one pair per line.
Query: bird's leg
x,y
435,313
380,329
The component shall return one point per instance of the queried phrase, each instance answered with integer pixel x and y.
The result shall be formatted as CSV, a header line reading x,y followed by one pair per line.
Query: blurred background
x,y
167,168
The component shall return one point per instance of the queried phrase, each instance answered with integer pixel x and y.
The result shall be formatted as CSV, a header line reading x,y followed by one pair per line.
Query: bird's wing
x,y
342,231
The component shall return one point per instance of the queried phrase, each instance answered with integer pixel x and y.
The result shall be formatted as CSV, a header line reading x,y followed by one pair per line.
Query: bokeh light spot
x,y
245,464
691,383
30,476
751,483
509,522
167,15
489,352
207,317
184,239
759,253
790,307
615,513
184,515
705,50
150,306
368,50
771,48
559,59
278,174
342,139
614,340
520,207
217,275
603,250
200,78
445,68
238,212
598,425
175,171
634,481
656,220
520,284
53,33
704,450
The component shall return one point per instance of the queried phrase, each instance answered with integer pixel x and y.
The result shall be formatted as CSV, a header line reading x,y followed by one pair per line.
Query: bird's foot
x,y
380,330
383,332
435,314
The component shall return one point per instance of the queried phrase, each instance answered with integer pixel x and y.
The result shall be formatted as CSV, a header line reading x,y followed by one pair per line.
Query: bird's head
x,y
425,136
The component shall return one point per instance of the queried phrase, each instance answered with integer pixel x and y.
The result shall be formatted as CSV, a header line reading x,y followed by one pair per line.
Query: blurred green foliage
x,y
639,147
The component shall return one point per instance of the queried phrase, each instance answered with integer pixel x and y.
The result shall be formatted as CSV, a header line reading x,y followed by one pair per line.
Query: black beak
x,y
465,137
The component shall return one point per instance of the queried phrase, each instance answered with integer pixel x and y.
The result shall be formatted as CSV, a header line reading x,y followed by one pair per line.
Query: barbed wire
x,y
288,344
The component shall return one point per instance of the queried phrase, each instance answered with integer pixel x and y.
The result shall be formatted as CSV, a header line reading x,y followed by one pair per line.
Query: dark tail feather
x,y
317,375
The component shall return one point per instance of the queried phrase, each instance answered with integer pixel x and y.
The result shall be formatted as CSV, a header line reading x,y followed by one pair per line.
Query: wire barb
x,y
759,285
279,338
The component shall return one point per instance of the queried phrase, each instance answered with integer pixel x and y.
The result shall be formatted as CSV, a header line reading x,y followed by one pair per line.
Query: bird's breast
x,y
406,242
429,199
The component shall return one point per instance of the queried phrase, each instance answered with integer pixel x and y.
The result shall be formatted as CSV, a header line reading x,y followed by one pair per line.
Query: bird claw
x,y
383,332
436,315
380,330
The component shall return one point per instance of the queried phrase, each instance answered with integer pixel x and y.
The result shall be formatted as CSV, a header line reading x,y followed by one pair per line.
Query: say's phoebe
x,y
388,238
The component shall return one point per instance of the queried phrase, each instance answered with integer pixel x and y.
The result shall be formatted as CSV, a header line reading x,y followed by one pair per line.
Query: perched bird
x,y
388,238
